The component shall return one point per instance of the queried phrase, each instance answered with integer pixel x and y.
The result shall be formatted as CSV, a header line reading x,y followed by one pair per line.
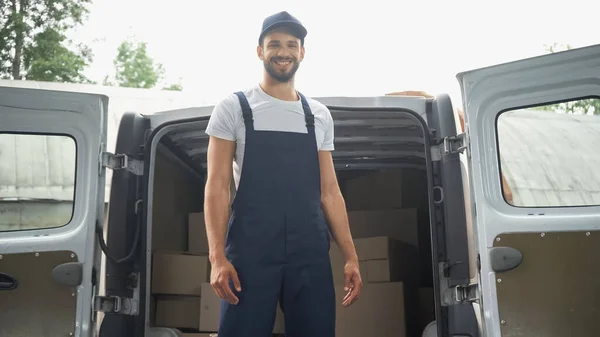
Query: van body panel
x,y
546,250
179,115
52,141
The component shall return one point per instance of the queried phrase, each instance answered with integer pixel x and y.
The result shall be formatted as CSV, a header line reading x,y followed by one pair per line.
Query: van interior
x,y
380,162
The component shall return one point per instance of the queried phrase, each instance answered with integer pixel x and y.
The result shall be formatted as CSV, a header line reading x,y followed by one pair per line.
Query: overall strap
x,y
308,115
246,110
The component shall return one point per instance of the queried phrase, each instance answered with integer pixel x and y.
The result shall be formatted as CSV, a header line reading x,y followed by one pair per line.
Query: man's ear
x,y
260,52
302,52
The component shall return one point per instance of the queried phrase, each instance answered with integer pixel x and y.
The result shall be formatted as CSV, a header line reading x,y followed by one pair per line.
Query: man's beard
x,y
279,76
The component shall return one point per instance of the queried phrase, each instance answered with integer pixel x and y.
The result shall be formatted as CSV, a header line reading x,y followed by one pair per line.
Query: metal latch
x,y
116,304
122,162
121,305
449,145
452,295
466,293
455,144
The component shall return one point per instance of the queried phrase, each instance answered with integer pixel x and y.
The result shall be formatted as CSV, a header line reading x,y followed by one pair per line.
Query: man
x,y
274,247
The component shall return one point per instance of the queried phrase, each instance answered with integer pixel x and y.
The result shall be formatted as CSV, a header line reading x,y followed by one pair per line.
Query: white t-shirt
x,y
269,114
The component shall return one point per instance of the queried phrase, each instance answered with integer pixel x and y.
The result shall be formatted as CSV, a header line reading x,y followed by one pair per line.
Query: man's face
x,y
281,54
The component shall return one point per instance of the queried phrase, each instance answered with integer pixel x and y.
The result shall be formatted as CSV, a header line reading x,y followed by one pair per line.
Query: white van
x,y
525,265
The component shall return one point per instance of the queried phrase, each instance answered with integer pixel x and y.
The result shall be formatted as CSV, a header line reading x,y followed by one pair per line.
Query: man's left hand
x,y
353,283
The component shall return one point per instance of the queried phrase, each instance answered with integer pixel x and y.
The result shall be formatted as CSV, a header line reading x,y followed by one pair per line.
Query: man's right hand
x,y
221,272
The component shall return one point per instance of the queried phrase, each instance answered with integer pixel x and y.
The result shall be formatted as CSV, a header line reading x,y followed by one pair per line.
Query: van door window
x,y
37,181
549,154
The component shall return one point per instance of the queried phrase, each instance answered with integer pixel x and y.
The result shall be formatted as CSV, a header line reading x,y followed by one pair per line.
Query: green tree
x,y
174,87
584,106
135,68
33,43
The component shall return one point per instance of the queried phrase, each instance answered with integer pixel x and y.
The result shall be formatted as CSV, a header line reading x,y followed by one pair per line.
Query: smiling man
x,y
274,244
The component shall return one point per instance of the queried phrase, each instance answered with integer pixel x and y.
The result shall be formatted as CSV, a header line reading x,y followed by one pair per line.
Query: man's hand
x,y
353,283
221,272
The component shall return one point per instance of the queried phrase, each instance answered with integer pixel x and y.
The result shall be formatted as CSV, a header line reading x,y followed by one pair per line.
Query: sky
x,y
371,48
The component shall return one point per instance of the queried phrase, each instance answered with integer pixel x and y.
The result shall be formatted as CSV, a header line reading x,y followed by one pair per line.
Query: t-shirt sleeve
x,y
222,120
327,144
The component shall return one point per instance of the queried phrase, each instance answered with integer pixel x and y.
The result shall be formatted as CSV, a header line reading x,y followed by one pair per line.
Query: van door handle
x,y
505,258
7,282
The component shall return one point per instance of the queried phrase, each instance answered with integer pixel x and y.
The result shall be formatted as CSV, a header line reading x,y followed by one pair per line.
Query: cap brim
x,y
298,30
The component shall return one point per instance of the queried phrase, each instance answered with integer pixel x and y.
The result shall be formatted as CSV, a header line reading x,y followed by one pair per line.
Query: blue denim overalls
x,y
278,238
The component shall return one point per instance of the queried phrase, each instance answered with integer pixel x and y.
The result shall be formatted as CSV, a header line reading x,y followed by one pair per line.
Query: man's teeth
x,y
285,63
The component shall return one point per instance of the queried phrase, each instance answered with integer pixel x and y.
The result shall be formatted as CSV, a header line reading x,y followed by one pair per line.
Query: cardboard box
x,y
178,312
403,258
378,190
210,309
385,260
398,261
381,271
197,238
398,224
382,247
337,267
177,273
379,312
381,259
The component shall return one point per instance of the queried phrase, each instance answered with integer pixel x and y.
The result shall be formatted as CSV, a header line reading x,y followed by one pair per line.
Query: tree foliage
x,y
33,42
174,87
135,68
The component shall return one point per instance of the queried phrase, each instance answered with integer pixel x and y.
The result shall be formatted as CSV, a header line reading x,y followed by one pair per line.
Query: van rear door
x,y
534,150
455,266
51,200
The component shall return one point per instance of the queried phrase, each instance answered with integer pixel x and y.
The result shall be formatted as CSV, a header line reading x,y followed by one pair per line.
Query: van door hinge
x,y
455,144
461,294
121,305
449,145
115,304
456,294
466,293
121,161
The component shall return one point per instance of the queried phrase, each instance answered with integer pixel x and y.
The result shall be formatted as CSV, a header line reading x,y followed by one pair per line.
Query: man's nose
x,y
283,51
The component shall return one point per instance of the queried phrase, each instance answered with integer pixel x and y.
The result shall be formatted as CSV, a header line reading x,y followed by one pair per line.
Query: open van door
x,y
454,262
534,126
51,201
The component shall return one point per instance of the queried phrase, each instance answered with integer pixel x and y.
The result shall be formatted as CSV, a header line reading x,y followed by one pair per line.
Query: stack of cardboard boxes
x,y
392,303
385,303
182,295
390,208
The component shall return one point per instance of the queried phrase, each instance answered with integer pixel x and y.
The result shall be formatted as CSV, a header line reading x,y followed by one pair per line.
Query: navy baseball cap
x,y
283,19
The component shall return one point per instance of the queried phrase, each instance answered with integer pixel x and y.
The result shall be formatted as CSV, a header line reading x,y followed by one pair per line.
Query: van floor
x,y
389,220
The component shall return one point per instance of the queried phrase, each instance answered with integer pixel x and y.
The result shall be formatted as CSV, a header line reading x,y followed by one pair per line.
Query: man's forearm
x,y
335,211
216,212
